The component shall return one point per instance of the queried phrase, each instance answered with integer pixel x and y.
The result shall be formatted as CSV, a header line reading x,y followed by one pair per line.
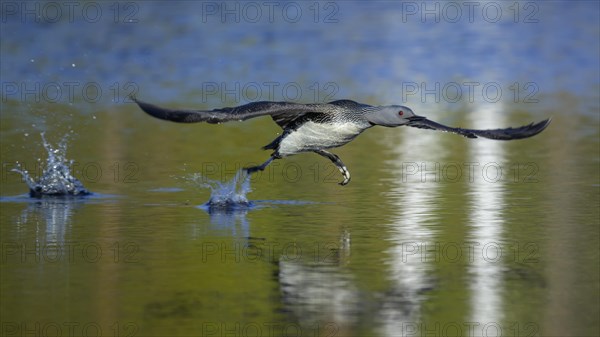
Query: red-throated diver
x,y
317,127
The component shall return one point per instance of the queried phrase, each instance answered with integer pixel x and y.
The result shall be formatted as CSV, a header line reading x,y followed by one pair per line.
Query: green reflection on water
x,y
151,262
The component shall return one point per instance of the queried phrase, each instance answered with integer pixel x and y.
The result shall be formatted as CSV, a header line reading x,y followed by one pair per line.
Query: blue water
x,y
376,51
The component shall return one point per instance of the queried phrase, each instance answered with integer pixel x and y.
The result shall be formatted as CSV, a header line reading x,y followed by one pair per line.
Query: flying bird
x,y
321,126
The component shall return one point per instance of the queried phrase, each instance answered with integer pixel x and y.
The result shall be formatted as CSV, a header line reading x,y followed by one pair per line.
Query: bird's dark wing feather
x,y
281,112
499,134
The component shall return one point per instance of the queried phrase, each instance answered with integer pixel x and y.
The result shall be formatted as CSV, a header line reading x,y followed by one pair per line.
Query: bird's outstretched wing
x,y
281,112
499,134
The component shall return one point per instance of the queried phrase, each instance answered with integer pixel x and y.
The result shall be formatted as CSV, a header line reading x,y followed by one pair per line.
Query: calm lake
x,y
436,234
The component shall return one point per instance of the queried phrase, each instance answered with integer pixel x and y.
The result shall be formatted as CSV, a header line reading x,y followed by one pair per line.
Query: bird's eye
x,y
400,112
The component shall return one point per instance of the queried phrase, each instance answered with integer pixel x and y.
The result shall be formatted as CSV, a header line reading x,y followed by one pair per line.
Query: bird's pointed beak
x,y
415,119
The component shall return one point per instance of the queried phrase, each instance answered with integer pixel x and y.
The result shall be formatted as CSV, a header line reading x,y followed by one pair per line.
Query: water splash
x,y
56,178
226,196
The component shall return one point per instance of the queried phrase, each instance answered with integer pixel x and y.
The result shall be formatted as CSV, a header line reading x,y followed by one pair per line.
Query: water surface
x,y
434,234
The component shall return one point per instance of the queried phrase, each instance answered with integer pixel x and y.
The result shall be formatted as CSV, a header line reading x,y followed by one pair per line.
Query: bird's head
x,y
391,115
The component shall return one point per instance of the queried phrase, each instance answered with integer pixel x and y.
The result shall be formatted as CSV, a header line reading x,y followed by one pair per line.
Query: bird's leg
x,y
260,167
337,162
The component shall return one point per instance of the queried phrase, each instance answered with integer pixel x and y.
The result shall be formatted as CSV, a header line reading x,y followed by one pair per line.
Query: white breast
x,y
313,136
